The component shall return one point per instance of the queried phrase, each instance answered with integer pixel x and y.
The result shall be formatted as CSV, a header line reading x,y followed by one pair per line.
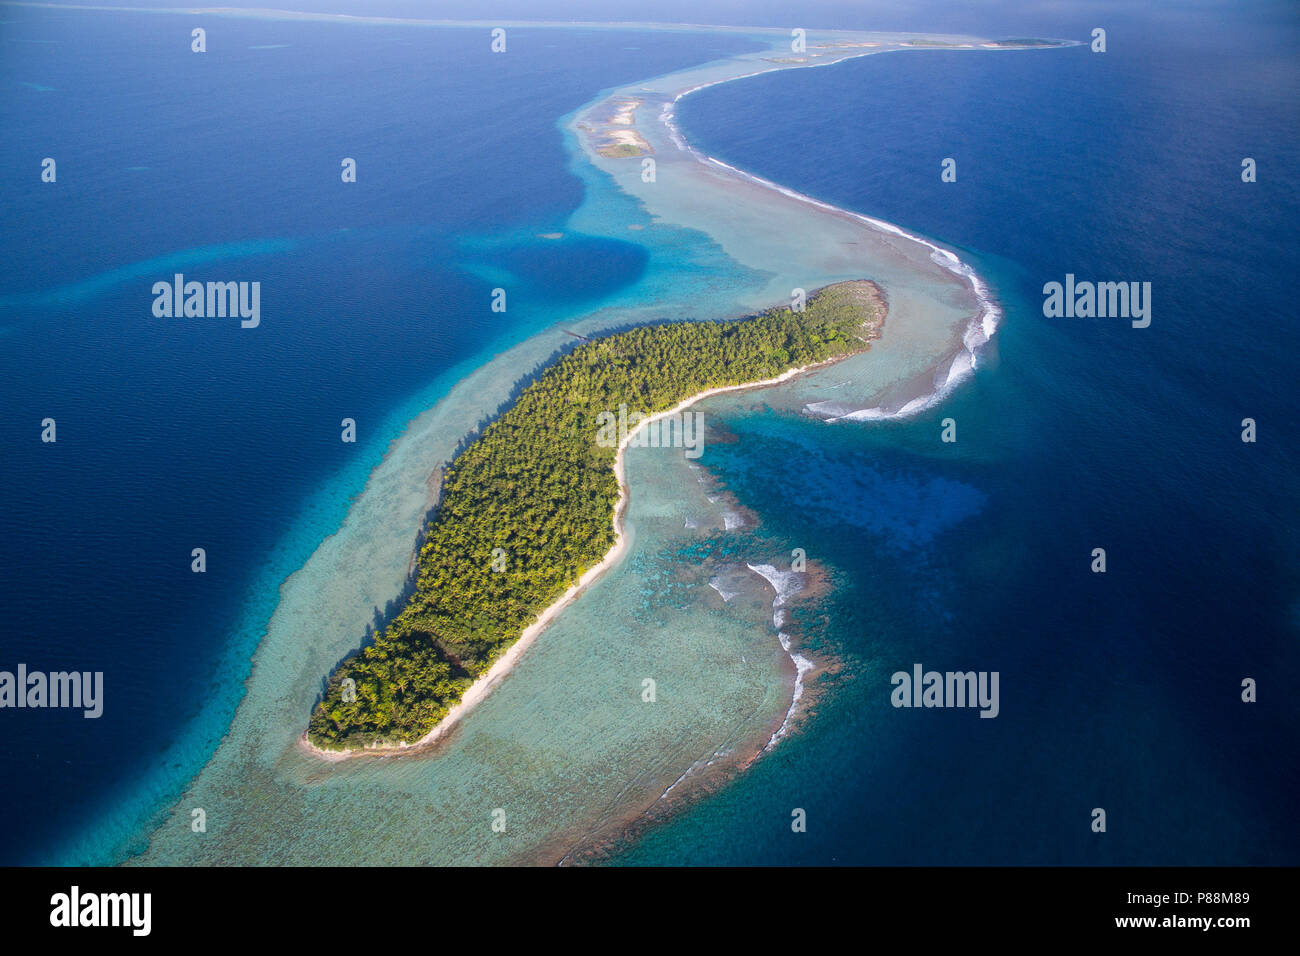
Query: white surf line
x,y
983,325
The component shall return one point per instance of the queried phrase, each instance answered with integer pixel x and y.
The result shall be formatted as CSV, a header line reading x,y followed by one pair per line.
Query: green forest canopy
x,y
537,485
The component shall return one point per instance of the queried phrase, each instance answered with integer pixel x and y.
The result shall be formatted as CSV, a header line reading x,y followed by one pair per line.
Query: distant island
x,y
615,134
531,511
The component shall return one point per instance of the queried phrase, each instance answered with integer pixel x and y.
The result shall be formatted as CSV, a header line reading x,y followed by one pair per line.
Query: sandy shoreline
x,y
506,662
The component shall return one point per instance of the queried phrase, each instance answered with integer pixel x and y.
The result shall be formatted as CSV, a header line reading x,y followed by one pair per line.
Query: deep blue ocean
x,y
1119,691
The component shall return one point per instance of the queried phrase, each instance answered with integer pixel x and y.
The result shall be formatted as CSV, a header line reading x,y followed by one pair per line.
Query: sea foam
x,y
978,333
786,584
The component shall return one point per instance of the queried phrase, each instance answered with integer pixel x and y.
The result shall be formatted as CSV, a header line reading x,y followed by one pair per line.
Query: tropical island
x,y
530,510
614,133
